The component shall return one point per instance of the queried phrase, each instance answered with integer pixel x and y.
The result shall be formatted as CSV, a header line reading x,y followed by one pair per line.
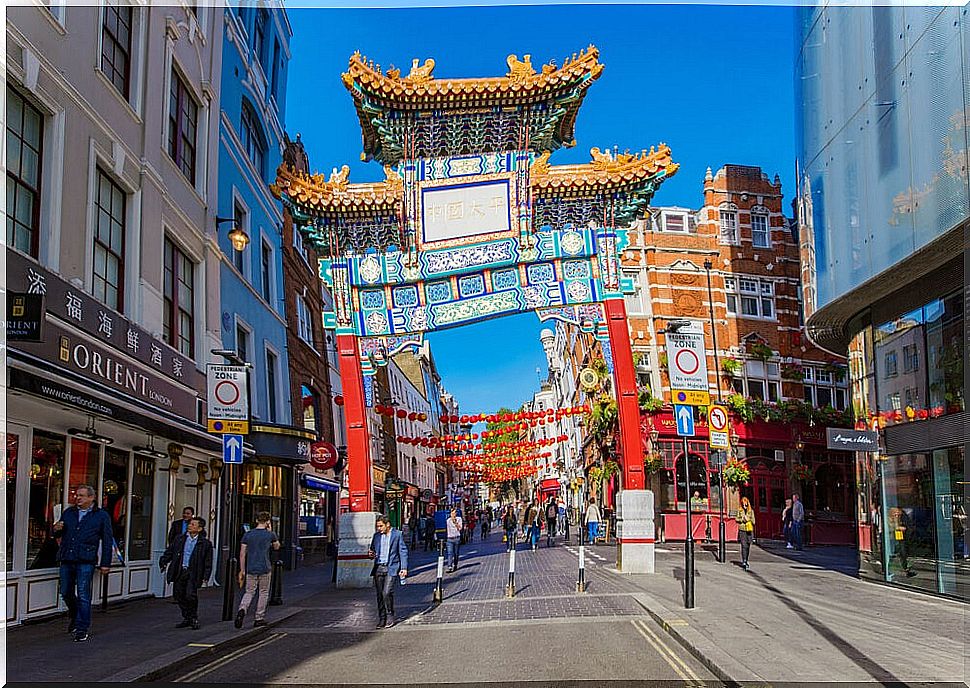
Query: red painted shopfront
x,y
770,450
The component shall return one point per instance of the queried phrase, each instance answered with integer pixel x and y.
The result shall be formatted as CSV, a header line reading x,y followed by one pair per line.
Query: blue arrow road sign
x,y
232,448
684,416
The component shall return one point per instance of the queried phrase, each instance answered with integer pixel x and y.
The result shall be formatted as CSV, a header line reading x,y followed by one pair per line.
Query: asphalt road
x,y
547,633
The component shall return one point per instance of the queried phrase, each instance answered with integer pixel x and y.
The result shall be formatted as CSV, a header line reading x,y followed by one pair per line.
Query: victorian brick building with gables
x,y
781,391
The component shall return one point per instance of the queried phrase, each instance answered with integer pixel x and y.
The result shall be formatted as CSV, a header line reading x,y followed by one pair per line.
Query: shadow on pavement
x,y
851,652
835,558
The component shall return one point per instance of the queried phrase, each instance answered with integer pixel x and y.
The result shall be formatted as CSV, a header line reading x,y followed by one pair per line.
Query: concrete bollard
x,y
510,589
438,589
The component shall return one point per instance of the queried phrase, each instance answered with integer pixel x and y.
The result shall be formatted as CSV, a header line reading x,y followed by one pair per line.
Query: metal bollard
x,y
581,583
104,592
438,591
276,583
510,589
707,529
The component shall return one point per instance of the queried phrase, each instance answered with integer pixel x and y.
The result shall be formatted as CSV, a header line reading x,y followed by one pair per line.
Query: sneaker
x,y
788,546
382,623
259,622
240,615
81,637
72,627
184,623
195,625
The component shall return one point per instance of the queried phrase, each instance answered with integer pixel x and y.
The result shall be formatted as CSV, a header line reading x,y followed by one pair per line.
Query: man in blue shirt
x,y
390,556
189,561
83,530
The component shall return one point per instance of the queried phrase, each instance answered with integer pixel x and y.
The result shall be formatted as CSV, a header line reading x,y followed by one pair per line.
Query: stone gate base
x,y
353,563
635,532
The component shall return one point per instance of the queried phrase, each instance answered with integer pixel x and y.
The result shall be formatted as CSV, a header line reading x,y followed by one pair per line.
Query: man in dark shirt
x,y
181,526
255,568
189,561
83,529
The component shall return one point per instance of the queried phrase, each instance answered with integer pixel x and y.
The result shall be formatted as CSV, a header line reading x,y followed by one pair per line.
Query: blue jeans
x,y
796,534
453,544
534,535
76,580
510,534
592,530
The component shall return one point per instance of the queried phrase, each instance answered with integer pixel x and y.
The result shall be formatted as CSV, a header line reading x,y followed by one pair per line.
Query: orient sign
x,y
323,455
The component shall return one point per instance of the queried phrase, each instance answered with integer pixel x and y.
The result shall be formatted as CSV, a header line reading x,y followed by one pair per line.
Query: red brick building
x,y
782,391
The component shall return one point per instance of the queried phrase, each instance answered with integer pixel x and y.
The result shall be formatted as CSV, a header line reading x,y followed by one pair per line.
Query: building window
x,y
891,366
274,81
114,493
729,227
239,216
760,381
311,413
271,361
760,232
45,498
25,148
304,321
299,243
756,297
259,35
142,499
116,45
242,342
179,287
266,271
910,358
110,206
183,120
674,222
821,388
252,138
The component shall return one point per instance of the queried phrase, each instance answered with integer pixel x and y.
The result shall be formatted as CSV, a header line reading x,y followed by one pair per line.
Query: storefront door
x,y
768,499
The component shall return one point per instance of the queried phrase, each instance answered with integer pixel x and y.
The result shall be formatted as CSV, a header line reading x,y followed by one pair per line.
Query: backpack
x,y
551,512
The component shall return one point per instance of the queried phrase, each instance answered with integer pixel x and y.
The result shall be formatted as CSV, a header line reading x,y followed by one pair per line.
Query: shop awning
x,y
318,483
550,485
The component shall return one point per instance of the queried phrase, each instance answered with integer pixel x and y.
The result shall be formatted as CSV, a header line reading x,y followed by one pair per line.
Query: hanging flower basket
x,y
736,474
731,367
801,472
653,463
760,351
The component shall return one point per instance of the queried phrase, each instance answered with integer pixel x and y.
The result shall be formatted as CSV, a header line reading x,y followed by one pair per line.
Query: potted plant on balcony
x,y
760,350
793,372
731,367
739,405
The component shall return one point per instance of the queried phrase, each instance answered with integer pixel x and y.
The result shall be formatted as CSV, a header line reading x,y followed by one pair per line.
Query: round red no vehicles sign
x,y
687,362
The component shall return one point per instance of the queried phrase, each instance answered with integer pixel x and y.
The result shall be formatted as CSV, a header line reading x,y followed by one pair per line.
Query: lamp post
x,y
721,540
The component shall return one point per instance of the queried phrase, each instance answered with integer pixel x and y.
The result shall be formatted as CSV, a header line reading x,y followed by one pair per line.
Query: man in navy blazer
x,y
83,528
390,556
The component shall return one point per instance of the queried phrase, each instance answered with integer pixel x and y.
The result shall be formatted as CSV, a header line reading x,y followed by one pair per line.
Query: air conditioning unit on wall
x,y
780,455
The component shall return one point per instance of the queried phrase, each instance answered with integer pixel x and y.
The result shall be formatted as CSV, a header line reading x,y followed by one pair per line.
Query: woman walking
x,y
786,521
511,526
745,520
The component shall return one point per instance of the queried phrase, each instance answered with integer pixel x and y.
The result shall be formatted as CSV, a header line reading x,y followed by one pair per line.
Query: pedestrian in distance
x,y
189,561
510,526
429,532
255,569
413,531
745,521
797,521
522,513
484,526
422,531
552,516
536,518
898,530
390,556
786,521
83,529
593,519
562,528
454,526
180,526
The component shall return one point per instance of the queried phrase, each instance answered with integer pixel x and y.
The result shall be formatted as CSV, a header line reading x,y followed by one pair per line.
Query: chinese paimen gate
x,y
472,222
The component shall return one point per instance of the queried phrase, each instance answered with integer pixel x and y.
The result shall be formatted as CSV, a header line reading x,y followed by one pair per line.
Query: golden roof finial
x,y
420,74
519,70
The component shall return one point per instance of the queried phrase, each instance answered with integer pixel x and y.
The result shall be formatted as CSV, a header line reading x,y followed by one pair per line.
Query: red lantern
x,y
463,419
474,435
422,416
338,400
401,413
412,416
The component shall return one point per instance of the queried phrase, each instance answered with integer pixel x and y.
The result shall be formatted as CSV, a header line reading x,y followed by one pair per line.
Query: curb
x,y
706,651
161,666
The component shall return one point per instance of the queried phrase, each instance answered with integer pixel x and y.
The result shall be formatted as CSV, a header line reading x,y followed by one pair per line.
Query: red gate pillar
x,y
628,407
359,474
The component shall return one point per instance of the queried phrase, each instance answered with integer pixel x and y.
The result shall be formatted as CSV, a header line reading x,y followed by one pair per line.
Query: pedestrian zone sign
x,y
717,425
228,398
232,449
687,361
684,416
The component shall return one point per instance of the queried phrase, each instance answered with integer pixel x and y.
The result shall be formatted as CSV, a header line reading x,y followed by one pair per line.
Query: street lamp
x,y
721,539
237,237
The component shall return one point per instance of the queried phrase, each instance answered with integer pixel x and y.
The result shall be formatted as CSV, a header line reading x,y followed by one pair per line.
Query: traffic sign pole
x,y
689,542
721,539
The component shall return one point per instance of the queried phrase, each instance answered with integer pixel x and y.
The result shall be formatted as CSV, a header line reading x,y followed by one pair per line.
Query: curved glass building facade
x,y
883,210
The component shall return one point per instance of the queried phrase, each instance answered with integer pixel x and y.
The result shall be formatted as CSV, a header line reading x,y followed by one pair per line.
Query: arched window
x,y
252,136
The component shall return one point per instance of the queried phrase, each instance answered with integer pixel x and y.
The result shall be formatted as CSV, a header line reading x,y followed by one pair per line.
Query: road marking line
x,y
663,655
687,669
201,644
232,656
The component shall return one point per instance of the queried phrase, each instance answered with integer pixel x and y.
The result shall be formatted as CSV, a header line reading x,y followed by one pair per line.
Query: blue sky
x,y
713,82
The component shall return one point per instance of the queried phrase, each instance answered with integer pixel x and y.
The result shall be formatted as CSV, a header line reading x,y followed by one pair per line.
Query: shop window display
x,y
142,503
13,446
114,494
45,501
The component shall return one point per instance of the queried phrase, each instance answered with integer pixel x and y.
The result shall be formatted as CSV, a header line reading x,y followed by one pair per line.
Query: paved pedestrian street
x,y
547,632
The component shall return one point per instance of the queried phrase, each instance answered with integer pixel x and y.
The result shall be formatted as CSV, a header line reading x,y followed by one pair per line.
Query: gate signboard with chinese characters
x,y
472,222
